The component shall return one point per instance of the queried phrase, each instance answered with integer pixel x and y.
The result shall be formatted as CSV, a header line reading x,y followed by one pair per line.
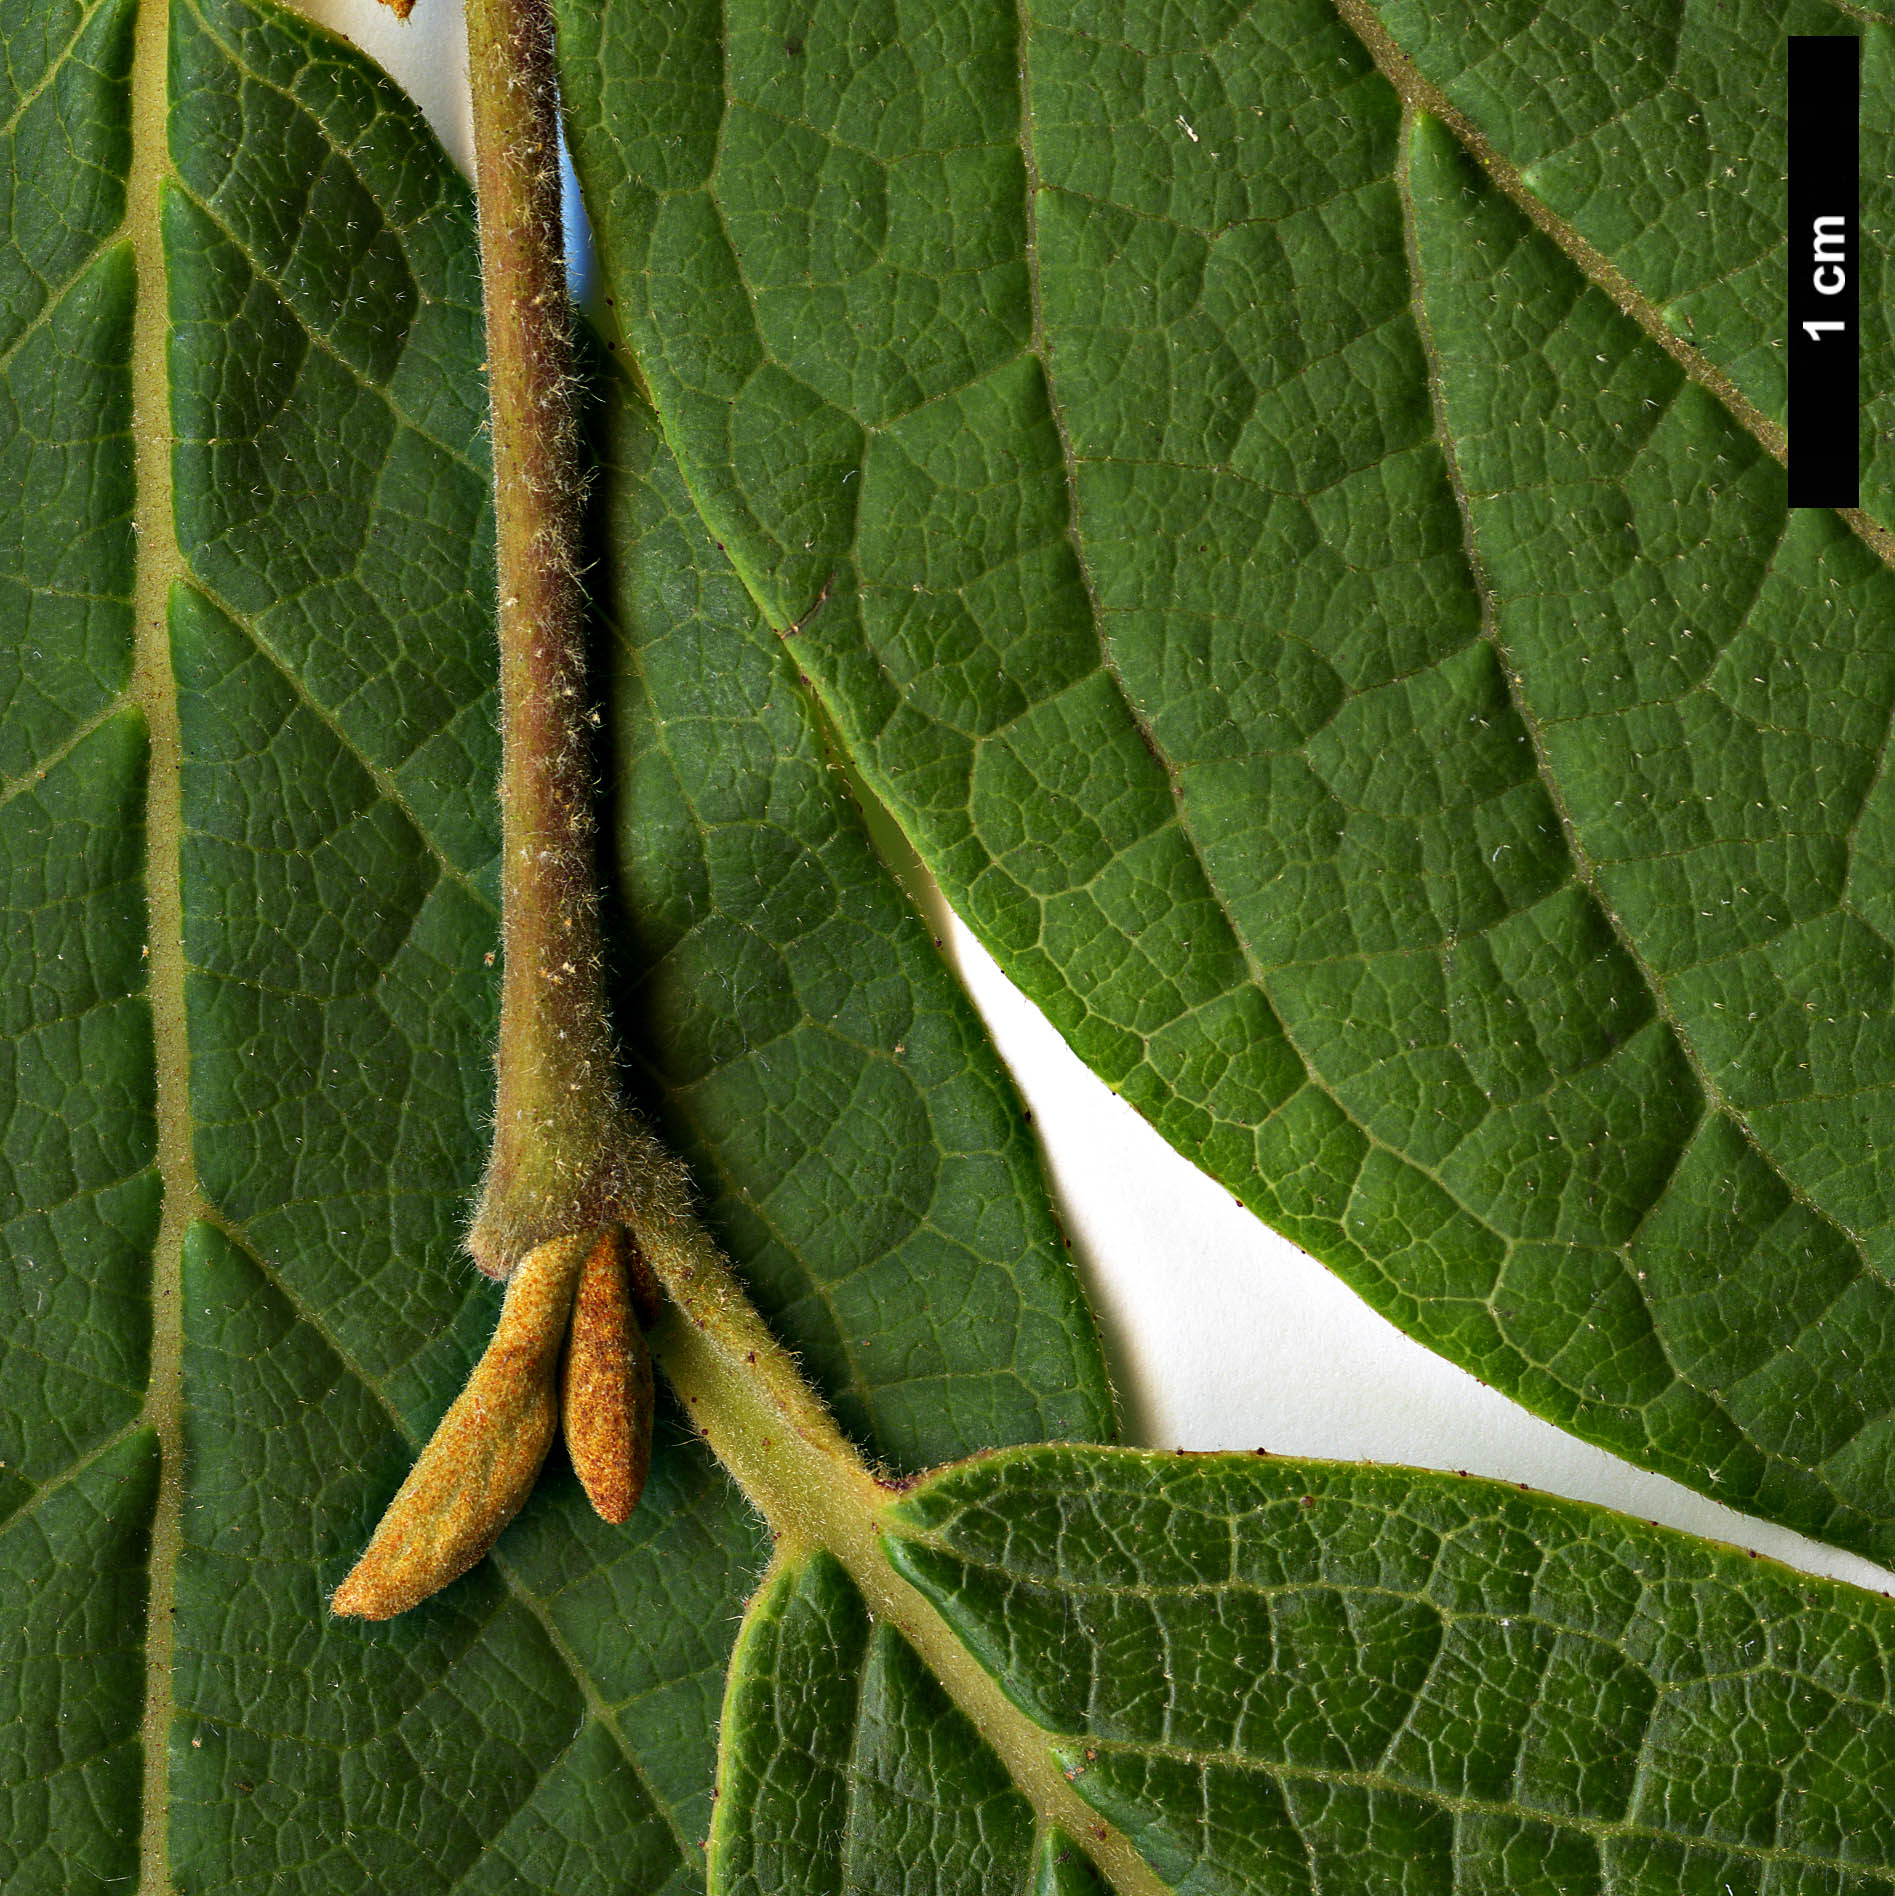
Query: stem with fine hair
x,y
566,1155
583,1212
577,1190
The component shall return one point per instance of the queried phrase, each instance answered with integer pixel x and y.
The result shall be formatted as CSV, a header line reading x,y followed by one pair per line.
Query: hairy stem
x,y
571,1171
769,1428
568,1158
565,1156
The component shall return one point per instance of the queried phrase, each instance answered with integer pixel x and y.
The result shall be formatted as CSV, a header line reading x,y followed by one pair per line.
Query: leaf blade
x,y
79,1197
1285,1675
474,1681
1696,117
1707,907
1254,808
77,1558
329,656
831,1728
1423,1693
768,963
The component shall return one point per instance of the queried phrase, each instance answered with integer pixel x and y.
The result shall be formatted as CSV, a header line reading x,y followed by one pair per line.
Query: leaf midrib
x,y
744,1395
159,563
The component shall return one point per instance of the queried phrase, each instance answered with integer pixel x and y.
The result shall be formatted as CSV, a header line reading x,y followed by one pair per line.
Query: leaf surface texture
x,y
1299,1676
323,646
1362,684
1364,687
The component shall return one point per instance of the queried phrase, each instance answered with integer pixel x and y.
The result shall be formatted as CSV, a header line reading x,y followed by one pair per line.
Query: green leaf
x,y
1362,682
79,1193
861,1148
1270,1675
300,888
1660,139
903,364
834,1733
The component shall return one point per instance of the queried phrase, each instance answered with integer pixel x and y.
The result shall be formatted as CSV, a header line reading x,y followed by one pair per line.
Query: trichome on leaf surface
x,y
1284,506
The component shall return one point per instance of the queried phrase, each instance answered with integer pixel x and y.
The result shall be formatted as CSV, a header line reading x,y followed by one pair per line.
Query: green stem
x,y
742,1390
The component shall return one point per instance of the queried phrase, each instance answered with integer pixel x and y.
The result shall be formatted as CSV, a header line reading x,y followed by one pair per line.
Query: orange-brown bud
x,y
480,1464
606,1385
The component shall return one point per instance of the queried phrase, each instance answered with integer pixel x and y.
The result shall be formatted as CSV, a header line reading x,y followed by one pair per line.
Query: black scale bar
x,y
1825,270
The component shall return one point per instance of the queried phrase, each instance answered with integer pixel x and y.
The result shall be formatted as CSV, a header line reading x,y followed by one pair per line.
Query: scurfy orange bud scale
x,y
481,1463
569,1344
606,1383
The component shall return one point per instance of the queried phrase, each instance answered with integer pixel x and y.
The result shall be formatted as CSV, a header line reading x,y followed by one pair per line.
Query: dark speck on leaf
x,y
793,45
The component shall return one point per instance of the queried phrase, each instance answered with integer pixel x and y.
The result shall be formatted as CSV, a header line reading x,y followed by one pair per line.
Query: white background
x,y
1221,1334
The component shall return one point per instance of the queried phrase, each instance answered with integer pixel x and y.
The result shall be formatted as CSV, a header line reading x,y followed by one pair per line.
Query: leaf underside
x,y
328,639
1138,497
1350,676
1305,1676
